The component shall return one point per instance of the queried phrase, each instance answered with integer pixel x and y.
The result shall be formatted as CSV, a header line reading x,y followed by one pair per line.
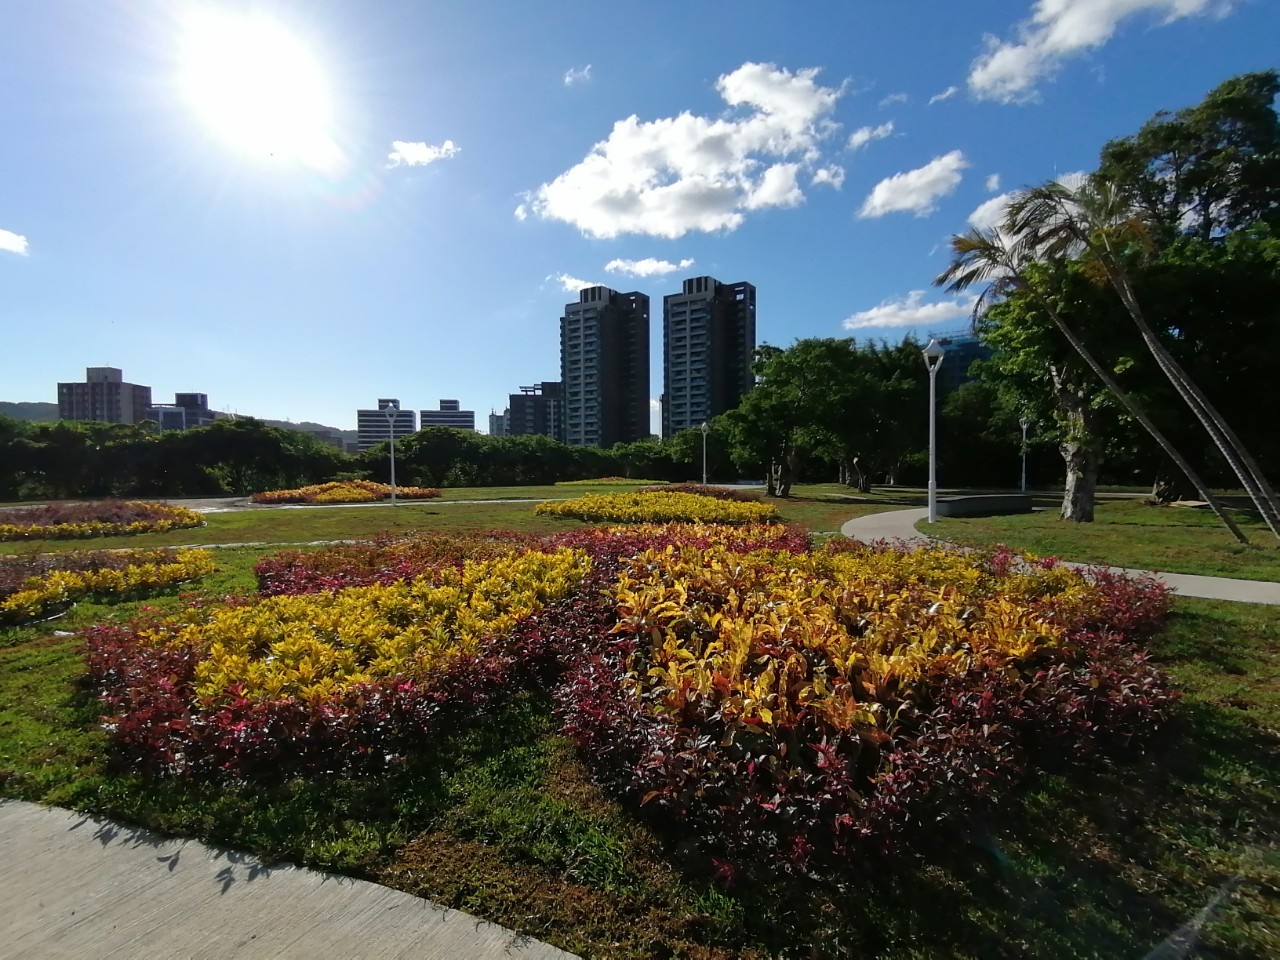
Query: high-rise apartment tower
x,y
103,396
708,344
604,367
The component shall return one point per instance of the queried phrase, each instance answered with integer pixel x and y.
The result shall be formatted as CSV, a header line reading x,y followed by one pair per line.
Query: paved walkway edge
x,y
76,886
900,525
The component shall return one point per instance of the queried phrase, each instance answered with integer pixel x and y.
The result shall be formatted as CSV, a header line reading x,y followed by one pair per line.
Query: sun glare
x,y
258,87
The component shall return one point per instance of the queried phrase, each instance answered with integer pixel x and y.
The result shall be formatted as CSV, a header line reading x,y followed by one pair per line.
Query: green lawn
x,y
305,525
1129,533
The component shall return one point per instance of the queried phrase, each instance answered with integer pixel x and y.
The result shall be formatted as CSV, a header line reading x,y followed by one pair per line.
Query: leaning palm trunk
x,y
984,255
1136,412
1224,438
1056,218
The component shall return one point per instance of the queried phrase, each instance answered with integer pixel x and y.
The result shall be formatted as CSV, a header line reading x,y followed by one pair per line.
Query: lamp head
x,y
705,428
933,354
1024,422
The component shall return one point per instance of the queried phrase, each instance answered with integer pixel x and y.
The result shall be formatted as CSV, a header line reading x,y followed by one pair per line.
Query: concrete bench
x,y
987,505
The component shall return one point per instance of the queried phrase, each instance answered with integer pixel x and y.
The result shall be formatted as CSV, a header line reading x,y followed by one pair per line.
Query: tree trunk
x,y
1081,457
771,480
787,468
1080,448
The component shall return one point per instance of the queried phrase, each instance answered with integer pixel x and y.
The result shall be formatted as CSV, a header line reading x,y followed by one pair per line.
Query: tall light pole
x,y
705,430
933,354
1024,423
392,410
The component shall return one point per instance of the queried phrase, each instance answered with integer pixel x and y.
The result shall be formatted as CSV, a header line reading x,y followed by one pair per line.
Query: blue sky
x,y
299,208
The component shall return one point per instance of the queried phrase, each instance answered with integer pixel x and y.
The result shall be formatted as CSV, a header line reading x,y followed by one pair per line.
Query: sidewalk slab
x,y
900,525
75,886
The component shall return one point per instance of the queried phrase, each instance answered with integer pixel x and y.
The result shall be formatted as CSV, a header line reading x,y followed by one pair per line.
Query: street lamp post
x,y
391,410
1024,423
933,354
705,430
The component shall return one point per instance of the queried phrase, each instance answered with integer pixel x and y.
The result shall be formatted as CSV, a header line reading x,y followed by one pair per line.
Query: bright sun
x,y
258,87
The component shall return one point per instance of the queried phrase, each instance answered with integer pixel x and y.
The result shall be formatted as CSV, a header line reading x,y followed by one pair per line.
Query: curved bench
x,y
984,505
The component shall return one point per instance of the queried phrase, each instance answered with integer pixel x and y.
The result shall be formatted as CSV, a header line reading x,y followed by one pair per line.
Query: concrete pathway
x,y
75,887
901,525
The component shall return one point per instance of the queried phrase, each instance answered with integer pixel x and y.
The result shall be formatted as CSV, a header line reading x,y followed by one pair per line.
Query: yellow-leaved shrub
x,y
315,645
770,637
659,507
45,595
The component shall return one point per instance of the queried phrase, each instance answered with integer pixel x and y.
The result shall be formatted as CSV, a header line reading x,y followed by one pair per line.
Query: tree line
x,y
1133,319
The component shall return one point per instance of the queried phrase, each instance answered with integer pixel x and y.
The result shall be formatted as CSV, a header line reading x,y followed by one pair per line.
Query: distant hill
x,y
35,411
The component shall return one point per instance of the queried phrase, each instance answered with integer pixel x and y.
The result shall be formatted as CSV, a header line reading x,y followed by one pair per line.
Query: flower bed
x,y
659,507
384,561
707,490
778,707
794,711
344,491
38,587
106,518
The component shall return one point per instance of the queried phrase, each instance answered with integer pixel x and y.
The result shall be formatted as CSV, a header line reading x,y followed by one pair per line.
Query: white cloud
x,y
911,311
419,154
648,267
13,242
916,191
946,94
577,75
1060,29
864,135
832,176
571,284
989,215
893,98
670,176
993,183
655,405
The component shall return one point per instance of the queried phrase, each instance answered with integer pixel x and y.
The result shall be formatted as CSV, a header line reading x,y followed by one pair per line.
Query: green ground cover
x,y
1130,533
308,524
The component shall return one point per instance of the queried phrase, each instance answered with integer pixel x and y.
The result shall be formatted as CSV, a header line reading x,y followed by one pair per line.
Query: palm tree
x,y
1096,220
987,257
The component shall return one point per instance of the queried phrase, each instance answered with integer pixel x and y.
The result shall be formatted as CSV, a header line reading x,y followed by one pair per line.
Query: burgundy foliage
x,y
100,511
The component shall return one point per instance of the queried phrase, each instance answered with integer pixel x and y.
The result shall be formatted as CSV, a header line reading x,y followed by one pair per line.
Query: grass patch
x,y
1129,533
308,524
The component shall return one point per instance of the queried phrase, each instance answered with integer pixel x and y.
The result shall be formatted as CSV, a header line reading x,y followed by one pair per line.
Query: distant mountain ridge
x,y
39,412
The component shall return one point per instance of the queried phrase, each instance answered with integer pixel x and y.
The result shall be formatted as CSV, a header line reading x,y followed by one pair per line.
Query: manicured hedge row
x,y
54,582
344,491
107,518
659,507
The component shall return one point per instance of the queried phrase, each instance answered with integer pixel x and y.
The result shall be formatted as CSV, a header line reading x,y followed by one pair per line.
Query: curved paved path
x,y
901,525
73,887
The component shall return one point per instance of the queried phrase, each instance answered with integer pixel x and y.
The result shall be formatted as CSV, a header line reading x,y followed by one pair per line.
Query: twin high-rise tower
x,y
708,340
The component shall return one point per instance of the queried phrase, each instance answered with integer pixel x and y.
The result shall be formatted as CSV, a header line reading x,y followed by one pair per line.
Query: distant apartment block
x,y
374,427
449,415
959,354
187,410
537,409
498,423
708,344
604,367
104,396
